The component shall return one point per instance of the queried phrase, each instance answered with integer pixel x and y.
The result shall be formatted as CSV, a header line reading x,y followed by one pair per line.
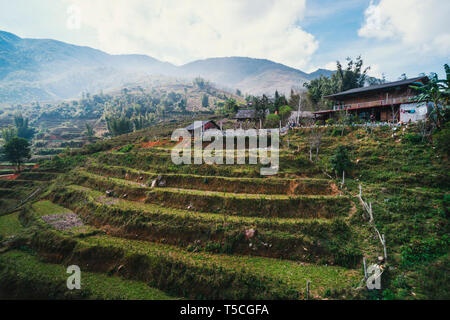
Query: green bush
x,y
422,251
127,148
442,139
302,162
413,138
340,160
272,121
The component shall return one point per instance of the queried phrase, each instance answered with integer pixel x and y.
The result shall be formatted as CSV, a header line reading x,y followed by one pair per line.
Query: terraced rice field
x,y
13,192
204,232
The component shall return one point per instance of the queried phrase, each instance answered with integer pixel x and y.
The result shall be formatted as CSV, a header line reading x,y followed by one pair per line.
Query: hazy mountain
x,y
320,72
43,69
255,76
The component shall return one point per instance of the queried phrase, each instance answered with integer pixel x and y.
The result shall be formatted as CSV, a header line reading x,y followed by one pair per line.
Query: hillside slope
x,y
225,232
42,69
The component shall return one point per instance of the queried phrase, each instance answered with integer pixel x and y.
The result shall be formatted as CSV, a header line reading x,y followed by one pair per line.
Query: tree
x,y
205,101
340,160
437,91
8,134
343,119
372,81
201,83
118,126
17,151
276,102
285,112
89,132
260,105
231,106
353,76
294,98
272,120
23,129
279,100
315,141
181,106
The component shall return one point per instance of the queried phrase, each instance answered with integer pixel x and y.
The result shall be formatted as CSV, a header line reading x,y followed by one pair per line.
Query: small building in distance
x,y
387,102
298,117
246,118
245,115
205,125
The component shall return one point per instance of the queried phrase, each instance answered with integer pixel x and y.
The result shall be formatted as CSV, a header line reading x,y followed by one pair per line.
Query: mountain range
x,y
48,70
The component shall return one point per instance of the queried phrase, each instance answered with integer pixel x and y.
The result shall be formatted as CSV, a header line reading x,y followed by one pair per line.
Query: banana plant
x,y
436,91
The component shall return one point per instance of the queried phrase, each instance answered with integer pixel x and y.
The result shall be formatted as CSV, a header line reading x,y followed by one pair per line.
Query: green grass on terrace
x,y
157,209
263,179
45,207
38,279
293,273
203,192
245,195
10,225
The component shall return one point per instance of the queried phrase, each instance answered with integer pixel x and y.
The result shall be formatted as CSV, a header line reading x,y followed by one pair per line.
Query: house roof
x,y
245,114
378,87
195,125
303,114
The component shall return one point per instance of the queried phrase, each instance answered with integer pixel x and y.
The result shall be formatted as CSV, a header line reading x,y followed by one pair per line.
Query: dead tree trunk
x,y
368,209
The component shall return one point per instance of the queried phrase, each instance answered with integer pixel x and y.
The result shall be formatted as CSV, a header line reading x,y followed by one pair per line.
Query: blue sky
x,y
393,36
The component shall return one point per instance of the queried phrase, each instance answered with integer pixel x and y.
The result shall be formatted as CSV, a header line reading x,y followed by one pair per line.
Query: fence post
x,y
365,267
307,289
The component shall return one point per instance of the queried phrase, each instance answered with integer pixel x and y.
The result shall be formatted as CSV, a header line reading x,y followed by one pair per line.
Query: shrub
x,y
127,148
340,160
302,162
422,251
413,138
329,122
272,121
285,111
442,139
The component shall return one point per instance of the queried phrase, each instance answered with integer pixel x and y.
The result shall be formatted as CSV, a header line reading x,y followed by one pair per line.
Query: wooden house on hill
x,y
393,101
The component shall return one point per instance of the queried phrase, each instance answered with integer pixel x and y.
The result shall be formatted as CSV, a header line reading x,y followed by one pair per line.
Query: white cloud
x,y
418,25
182,31
74,18
330,65
375,71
